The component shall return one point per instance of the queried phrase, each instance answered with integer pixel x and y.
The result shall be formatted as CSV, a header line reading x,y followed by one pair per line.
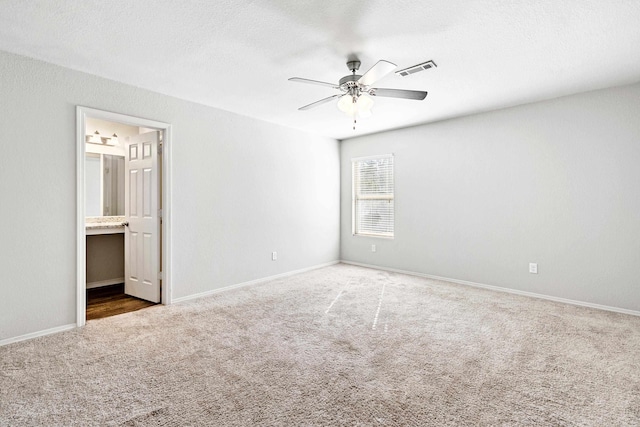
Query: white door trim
x,y
81,114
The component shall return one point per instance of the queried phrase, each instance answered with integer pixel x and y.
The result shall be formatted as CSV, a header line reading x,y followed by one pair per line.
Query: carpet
x,y
337,346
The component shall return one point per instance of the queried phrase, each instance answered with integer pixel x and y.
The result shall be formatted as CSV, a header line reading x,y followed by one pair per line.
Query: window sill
x,y
377,236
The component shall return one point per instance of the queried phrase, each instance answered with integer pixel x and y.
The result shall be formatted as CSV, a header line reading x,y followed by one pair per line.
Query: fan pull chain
x,y
354,124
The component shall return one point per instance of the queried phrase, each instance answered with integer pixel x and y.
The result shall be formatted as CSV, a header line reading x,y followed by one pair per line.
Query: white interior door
x,y
141,237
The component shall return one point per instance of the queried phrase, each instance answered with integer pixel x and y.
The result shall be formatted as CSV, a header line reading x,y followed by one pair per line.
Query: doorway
x,y
123,213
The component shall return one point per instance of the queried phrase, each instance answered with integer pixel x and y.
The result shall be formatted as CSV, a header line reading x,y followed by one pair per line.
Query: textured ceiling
x,y
237,55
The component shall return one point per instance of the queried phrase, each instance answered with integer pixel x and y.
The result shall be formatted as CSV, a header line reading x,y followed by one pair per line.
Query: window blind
x,y
373,196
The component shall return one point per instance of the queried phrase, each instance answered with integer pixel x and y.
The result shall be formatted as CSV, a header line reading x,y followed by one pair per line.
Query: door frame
x,y
81,275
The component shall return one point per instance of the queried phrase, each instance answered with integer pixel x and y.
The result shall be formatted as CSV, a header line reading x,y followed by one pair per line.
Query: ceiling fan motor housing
x,y
350,80
349,84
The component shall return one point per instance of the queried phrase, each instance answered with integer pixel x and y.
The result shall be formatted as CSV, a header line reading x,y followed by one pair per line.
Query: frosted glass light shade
x,y
361,107
346,105
364,104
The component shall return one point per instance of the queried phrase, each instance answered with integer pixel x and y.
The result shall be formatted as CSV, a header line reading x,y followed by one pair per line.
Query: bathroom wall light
x,y
94,138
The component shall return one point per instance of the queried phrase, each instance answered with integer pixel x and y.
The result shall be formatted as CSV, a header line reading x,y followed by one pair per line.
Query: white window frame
x,y
355,198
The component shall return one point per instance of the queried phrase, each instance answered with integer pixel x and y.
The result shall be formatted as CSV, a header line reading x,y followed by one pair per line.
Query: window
x,y
372,209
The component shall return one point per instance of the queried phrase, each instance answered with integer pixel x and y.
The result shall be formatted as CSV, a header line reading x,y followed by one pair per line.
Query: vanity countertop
x,y
104,224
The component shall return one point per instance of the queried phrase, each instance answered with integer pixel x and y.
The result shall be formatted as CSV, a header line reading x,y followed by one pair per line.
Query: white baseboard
x,y
189,297
38,334
108,282
251,282
500,289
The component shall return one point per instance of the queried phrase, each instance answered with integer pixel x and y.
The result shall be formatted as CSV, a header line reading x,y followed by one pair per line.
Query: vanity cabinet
x,y
105,251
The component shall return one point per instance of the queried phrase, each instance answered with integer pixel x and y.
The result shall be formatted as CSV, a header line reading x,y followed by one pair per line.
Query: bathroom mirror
x,y
104,185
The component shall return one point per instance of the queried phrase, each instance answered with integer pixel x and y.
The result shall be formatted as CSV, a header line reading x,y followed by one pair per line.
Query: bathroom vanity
x,y
105,251
104,225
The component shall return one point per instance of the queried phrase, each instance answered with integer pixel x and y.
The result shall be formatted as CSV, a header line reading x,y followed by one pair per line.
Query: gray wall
x,y
479,197
241,189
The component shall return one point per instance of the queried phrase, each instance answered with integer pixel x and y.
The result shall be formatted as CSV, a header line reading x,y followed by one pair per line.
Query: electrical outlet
x,y
274,256
373,248
533,268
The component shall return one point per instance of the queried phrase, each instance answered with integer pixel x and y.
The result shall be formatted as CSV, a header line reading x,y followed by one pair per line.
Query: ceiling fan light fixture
x,y
364,104
352,106
346,105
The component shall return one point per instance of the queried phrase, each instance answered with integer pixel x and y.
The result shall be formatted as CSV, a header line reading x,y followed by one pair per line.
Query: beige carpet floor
x,y
339,346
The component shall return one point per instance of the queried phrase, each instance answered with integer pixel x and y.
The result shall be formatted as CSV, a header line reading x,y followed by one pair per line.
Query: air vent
x,y
416,68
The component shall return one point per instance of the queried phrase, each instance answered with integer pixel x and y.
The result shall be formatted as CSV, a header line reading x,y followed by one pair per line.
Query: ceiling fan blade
x,y
322,101
313,82
375,73
398,93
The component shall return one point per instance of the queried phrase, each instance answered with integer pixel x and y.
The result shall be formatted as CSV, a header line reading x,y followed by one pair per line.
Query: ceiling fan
x,y
355,89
